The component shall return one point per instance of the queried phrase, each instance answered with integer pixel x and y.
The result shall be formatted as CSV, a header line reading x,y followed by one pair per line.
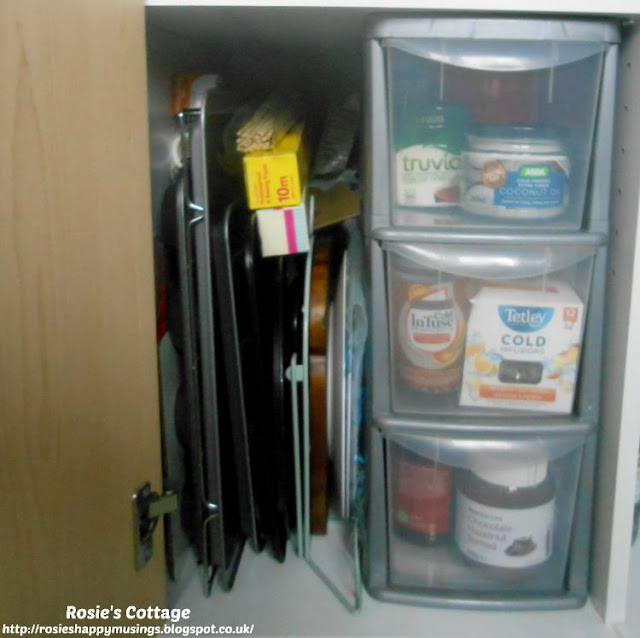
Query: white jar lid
x,y
516,139
511,476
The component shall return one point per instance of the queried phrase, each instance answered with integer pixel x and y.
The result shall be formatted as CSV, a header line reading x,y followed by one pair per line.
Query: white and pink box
x,y
283,231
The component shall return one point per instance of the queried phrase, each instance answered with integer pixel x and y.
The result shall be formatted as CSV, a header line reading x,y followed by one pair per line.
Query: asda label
x,y
515,186
533,186
534,172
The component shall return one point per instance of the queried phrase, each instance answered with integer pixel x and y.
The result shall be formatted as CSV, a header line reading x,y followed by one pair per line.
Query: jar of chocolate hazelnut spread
x,y
505,515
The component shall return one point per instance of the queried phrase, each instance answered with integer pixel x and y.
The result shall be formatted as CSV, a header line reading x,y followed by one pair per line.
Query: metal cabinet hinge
x,y
148,507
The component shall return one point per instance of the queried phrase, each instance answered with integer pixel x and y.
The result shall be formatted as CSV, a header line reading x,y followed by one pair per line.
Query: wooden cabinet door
x,y
79,424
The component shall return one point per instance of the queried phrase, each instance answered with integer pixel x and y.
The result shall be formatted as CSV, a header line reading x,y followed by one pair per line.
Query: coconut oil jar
x,y
515,173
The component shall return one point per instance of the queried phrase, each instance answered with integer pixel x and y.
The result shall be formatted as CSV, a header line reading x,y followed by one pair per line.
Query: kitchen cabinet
x,y
79,410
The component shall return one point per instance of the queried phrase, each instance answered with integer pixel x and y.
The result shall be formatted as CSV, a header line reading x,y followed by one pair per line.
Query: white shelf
x,y
613,7
290,600
631,627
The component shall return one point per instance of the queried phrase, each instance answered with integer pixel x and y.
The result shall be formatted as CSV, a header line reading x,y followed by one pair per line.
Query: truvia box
x,y
429,149
523,347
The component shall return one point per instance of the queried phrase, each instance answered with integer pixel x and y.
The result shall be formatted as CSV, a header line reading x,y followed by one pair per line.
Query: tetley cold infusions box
x,y
523,347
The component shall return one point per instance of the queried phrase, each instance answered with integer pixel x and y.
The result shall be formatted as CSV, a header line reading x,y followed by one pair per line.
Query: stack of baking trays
x,y
270,352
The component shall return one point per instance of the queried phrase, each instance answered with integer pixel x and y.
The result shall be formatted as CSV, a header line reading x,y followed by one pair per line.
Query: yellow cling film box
x,y
275,178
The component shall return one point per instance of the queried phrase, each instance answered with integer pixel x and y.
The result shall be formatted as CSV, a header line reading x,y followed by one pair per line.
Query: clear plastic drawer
x,y
487,129
481,514
488,327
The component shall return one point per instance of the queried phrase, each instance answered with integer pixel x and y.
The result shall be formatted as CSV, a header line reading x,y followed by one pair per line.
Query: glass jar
x,y
505,515
422,493
428,313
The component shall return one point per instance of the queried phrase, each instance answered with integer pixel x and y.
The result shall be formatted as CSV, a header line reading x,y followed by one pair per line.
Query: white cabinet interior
x,y
615,483
323,46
